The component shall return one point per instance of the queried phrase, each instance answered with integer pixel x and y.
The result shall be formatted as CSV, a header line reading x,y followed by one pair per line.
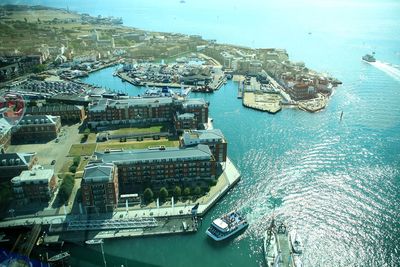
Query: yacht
x,y
278,250
369,58
226,226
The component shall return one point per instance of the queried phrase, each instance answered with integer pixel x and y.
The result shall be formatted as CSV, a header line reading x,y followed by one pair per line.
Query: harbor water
x,y
336,181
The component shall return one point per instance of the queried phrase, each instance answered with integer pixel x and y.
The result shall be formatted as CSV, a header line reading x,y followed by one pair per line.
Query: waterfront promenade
x,y
169,216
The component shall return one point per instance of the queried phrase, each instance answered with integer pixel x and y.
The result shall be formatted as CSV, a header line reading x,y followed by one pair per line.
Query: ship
x,y
369,58
281,248
58,257
226,226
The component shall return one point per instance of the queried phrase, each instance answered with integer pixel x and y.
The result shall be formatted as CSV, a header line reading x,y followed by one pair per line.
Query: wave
x,y
391,70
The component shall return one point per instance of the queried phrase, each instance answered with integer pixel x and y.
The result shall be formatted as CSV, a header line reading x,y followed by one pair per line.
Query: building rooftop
x,y
15,159
98,172
52,108
130,102
194,102
37,175
202,136
38,119
185,116
155,154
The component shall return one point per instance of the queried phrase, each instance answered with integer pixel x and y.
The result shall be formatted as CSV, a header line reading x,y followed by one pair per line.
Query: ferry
x,y
226,226
282,249
369,58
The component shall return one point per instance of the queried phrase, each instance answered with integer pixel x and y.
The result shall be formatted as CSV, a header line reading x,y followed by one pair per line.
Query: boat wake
x,y
388,68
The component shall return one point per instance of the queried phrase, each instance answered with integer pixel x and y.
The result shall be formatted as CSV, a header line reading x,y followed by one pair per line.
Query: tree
x,y
212,183
72,168
163,193
86,132
148,195
39,68
186,191
76,161
66,187
177,191
197,191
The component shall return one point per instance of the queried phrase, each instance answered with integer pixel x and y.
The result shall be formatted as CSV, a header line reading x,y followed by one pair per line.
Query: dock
x,y
313,105
268,102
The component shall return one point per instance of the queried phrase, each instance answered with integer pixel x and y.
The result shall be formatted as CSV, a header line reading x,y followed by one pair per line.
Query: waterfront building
x,y
36,128
12,164
100,187
301,91
198,107
130,111
14,66
161,167
214,138
5,133
144,111
185,121
35,185
67,113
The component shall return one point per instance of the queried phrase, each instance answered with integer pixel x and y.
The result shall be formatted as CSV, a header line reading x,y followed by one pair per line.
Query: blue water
x,y
337,182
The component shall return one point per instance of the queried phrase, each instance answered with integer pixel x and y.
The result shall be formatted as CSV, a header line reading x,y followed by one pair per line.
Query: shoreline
x,y
170,217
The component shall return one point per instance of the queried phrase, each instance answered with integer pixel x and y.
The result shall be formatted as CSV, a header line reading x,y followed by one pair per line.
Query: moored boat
x,y
295,242
58,257
278,250
94,241
226,226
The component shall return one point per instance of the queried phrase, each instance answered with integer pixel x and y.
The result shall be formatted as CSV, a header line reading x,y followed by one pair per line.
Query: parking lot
x,y
54,150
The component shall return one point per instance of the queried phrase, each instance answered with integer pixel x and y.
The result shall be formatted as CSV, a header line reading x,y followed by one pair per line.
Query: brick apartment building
x,y
67,113
185,121
36,128
100,187
35,185
144,111
12,164
158,167
214,138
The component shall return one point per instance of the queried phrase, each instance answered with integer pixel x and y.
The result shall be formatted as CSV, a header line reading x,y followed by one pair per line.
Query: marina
x,y
336,182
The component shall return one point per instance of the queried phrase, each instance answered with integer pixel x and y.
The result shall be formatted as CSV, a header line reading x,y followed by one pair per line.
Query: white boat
x,y
278,251
94,241
295,242
369,58
226,226
58,257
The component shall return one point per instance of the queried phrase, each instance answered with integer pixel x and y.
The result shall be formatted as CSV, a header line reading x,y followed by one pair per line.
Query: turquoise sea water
x,y
337,182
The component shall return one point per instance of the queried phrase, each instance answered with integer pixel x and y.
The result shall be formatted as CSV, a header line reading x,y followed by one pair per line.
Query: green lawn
x,y
82,150
136,145
153,129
